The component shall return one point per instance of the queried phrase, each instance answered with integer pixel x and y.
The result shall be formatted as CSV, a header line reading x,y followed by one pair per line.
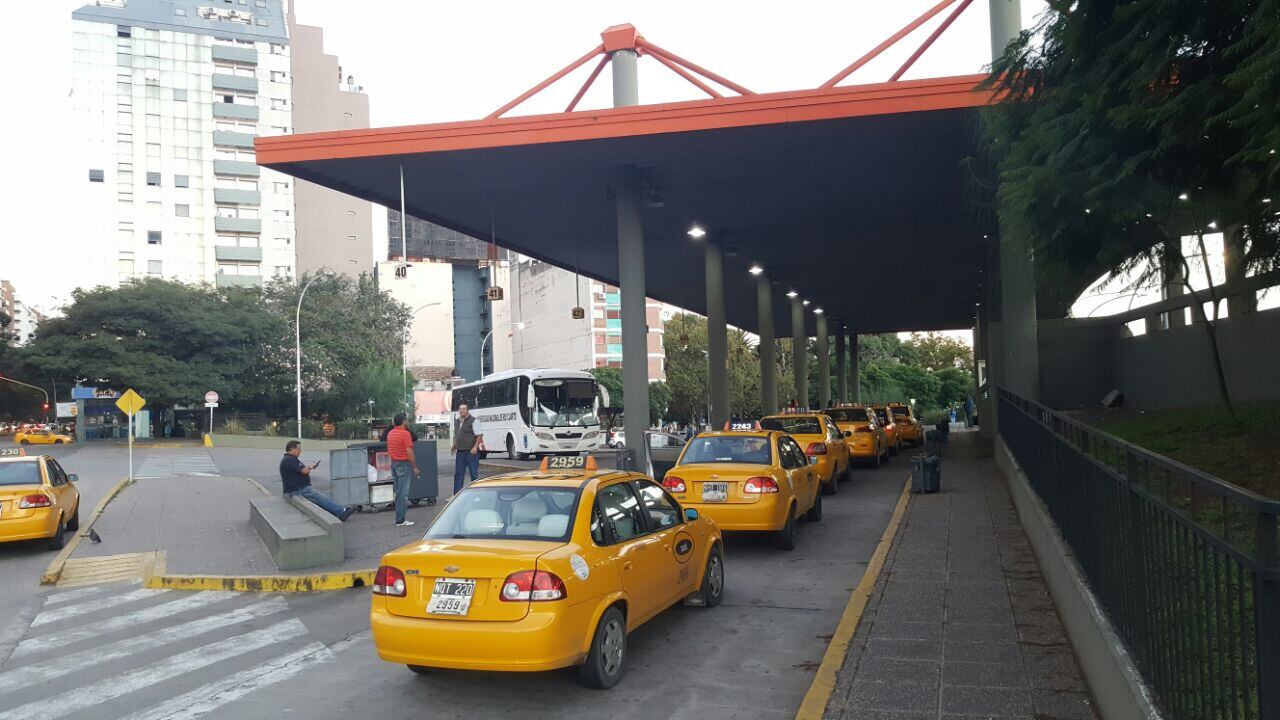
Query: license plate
x,y
451,597
715,491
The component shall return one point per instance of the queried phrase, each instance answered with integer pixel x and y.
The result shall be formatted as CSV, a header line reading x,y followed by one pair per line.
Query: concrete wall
x,y
543,297
334,230
431,332
1080,360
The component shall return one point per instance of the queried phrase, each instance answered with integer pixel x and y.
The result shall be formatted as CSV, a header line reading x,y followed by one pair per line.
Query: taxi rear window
x,y
793,425
882,414
848,414
901,411
517,513
749,449
20,473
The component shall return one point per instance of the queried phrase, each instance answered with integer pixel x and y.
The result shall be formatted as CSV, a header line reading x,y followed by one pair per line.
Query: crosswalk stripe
x,y
84,659
204,700
113,687
66,596
66,611
120,622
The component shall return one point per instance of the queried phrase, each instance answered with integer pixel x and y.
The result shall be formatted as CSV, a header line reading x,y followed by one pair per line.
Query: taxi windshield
x,y
848,414
20,473
518,513
753,450
793,425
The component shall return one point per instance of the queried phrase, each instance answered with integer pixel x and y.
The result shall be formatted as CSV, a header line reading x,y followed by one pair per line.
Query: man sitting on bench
x,y
295,477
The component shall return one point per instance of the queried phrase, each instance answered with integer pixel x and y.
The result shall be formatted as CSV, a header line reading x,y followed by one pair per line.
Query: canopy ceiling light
x,y
697,233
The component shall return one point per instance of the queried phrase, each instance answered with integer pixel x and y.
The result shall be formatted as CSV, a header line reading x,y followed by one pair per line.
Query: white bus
x,y
527,413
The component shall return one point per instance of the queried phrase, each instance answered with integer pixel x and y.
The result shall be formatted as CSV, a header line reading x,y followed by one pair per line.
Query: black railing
x,y
1186,566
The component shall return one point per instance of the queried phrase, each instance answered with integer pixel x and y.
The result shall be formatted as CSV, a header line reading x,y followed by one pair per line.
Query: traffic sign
x,y
130,402
211,396
211,404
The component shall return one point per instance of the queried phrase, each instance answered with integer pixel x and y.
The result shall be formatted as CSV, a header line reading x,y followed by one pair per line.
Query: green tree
x,y
1129,124
936,351
611,380
170,342
684,340
953,385
380,381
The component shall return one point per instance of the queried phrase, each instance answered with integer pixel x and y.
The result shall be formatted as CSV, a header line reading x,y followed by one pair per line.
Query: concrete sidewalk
x,y
960,624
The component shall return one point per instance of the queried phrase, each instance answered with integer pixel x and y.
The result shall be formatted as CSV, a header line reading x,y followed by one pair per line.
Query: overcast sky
x,y
427,61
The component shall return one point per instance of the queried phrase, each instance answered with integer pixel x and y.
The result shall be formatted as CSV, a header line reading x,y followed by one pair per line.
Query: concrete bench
x,y
297,533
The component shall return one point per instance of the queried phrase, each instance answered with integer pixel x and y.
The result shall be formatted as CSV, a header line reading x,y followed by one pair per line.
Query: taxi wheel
x,y
608,656
832,487
57,442
74,525
419,669
24,441
895,448
713,579
57,541
786,537
815,512
879,460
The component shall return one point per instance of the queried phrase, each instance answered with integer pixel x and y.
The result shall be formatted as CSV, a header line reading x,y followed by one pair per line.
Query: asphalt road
x,y
121,651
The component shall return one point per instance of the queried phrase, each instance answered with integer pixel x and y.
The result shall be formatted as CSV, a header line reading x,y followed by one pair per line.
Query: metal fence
x,y
1186,565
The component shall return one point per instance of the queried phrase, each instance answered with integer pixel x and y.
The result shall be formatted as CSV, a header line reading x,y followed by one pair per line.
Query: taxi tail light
x,y
816,448
759,485
388,581
673,484
533,585
35,501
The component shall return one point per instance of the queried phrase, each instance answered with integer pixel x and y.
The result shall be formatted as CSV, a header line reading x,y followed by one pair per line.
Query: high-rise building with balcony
x,y
168,96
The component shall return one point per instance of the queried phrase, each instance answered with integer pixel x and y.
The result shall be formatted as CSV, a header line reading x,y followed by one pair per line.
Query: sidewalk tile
x,y
984,674
986,701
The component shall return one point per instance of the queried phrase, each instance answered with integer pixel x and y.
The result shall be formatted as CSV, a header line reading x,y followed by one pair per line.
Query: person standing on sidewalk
x,y
403,466
296,479
466,448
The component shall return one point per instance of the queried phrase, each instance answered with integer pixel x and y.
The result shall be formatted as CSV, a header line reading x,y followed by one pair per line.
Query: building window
x,y
95,176
284,241
153,268
153,150
279,103
153,238
277,49
180,95
124,31
182,210
181,181
180,12
279,76
281,187
153,178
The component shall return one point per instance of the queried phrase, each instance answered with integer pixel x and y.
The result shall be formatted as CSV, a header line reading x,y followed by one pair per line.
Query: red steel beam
x,y
906,30
604,60
659,52
930,40
546,83
685,74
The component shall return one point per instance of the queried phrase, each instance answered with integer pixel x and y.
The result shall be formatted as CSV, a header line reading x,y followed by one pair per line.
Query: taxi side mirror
x,y
813,460
848,433
690,514
73,477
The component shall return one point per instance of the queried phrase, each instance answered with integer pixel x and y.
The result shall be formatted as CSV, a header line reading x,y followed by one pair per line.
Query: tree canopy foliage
x,y
1131,123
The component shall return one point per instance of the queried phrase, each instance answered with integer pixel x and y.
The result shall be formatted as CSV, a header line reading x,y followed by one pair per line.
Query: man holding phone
x,y
295,477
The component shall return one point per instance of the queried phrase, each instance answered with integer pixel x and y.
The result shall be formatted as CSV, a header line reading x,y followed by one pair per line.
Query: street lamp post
x,y
404,349
485,341
33,387
297,343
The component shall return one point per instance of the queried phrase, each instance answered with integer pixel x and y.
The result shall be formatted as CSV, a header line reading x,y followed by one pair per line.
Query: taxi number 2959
x,y
451,597
566,462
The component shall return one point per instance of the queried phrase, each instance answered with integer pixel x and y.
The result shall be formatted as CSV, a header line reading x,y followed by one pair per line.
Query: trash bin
x,y
426,484
917,474
933,442
932,473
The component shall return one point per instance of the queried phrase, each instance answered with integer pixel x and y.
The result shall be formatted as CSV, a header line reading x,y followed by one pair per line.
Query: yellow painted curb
x,y
54,571
264,583
815,700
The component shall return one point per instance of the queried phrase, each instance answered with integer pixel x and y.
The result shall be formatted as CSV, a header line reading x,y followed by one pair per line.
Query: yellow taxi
x,y
544,569
38,499
908,424
867,440
821,440
892,430
41,437
757,480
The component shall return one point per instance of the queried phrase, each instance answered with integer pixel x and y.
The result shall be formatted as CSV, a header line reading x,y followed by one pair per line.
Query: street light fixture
x,y
297,339
755,269
518,326
792,293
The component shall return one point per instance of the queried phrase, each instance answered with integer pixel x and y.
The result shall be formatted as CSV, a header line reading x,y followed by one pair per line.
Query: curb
x,y
814,705
322,582
54,571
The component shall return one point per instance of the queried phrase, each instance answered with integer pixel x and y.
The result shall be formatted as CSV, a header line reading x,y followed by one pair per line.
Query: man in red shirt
x,y
403,466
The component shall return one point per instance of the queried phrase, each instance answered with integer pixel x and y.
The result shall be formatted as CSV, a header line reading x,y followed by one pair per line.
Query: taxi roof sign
x,y
130,402
568,462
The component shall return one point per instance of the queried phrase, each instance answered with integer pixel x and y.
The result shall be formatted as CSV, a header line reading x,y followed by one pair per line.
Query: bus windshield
x,y
564,403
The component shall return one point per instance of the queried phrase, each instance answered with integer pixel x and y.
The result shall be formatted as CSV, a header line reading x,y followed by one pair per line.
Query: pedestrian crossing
x,y
124,651
165,465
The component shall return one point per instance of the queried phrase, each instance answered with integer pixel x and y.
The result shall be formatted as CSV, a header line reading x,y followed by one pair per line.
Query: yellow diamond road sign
x,y
130,402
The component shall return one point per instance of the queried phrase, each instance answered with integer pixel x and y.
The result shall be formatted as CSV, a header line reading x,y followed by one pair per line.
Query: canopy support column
x,y
824,364
855,377
768,361
799,352
717,336
631,275
842,366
